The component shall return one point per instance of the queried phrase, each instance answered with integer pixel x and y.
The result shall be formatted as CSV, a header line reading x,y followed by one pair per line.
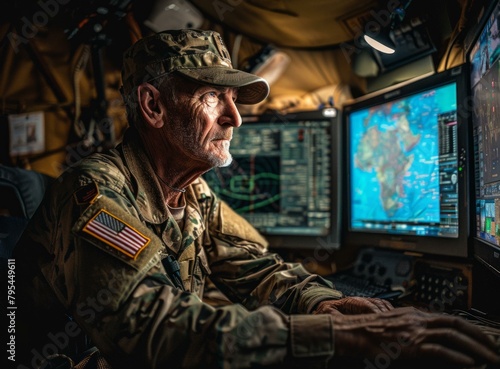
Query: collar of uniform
x,y
149,194
150,199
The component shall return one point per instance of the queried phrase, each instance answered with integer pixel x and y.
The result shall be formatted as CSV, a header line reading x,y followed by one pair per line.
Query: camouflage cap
x,y
197,54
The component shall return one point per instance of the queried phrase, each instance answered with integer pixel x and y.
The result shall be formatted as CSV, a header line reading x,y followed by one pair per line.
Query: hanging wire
x,y
77,74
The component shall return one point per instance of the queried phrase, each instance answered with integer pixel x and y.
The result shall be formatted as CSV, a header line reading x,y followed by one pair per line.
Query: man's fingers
x,y
459,342
361,305
415,335
463,326
438,352
381,305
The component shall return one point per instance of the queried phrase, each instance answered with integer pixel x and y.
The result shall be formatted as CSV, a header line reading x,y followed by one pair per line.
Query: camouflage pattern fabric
x,y
78,280
164,53
197,54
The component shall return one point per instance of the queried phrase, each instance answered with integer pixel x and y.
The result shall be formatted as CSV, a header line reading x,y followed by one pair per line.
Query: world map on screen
x,y
395,153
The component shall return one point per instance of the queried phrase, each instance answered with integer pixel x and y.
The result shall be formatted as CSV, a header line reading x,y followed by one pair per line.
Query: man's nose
x,y
230,115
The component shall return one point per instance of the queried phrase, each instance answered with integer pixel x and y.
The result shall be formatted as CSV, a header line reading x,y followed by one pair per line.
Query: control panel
x,y
442,286
434,285
382,267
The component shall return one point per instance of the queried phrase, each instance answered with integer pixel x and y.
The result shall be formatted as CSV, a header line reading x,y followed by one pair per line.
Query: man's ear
x,y
149,105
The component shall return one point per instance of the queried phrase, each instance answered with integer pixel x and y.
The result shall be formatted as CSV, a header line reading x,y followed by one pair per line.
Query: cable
x,y
460,26
80,65
236,50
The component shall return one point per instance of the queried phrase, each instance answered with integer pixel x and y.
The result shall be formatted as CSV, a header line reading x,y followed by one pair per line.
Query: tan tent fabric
x,y
24,89
312,35
290,23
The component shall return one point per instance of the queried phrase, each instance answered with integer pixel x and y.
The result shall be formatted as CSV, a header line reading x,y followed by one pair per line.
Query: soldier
x,y
114,262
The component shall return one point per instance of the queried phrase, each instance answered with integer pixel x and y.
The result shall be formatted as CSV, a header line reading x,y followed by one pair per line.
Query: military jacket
x,y
96,261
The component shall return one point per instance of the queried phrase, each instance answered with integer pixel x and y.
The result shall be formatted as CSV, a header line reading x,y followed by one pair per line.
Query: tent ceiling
x,y
292,23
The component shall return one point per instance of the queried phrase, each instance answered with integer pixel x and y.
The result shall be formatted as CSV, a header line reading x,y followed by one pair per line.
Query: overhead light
x,y
411,41
381,41
379,37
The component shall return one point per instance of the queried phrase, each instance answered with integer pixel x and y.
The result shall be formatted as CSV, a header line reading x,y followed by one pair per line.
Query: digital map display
x,y
280,178
403,165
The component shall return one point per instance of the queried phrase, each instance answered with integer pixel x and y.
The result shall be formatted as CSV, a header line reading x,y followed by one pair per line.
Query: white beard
x,y
227,162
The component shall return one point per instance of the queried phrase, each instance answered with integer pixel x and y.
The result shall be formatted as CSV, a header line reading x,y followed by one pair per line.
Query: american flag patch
x,y
116,233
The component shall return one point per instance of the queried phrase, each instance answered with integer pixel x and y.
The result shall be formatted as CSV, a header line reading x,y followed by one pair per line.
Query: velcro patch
x,y
116,233
86,194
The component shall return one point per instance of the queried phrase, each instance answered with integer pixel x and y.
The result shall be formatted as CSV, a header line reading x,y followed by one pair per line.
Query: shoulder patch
x,y
113,250
109,226
116,233
86,194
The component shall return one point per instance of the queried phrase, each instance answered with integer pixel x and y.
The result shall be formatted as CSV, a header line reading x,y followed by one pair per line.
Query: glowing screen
x,y
280,178
403,165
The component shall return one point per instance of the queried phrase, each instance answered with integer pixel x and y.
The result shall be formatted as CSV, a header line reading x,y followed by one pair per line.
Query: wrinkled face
x,y
201,122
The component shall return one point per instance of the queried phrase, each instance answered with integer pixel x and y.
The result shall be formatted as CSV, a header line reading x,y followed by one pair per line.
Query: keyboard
x,y
351,285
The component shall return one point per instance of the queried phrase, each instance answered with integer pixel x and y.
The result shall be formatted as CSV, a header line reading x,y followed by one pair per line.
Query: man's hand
x,y
353,305
409,335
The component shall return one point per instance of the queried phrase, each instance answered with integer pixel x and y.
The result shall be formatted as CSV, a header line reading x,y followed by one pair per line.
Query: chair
x,y
21,191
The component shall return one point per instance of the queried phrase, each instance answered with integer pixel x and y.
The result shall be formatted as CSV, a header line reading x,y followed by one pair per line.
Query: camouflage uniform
x,y
133,310
104,251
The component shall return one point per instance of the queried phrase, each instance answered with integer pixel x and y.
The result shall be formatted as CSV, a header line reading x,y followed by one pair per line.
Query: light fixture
x,y
173,14
381,40
379,36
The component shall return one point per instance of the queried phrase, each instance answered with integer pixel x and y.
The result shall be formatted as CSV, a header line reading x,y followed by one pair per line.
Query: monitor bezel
x,y
424,245
487,253
332,239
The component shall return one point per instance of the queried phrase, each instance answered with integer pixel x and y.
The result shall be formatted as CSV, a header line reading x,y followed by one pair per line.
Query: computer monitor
x,y
483,55
405,167
284,177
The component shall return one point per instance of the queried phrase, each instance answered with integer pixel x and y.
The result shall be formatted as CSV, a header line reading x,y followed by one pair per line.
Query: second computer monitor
x,y
284,178
405,167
